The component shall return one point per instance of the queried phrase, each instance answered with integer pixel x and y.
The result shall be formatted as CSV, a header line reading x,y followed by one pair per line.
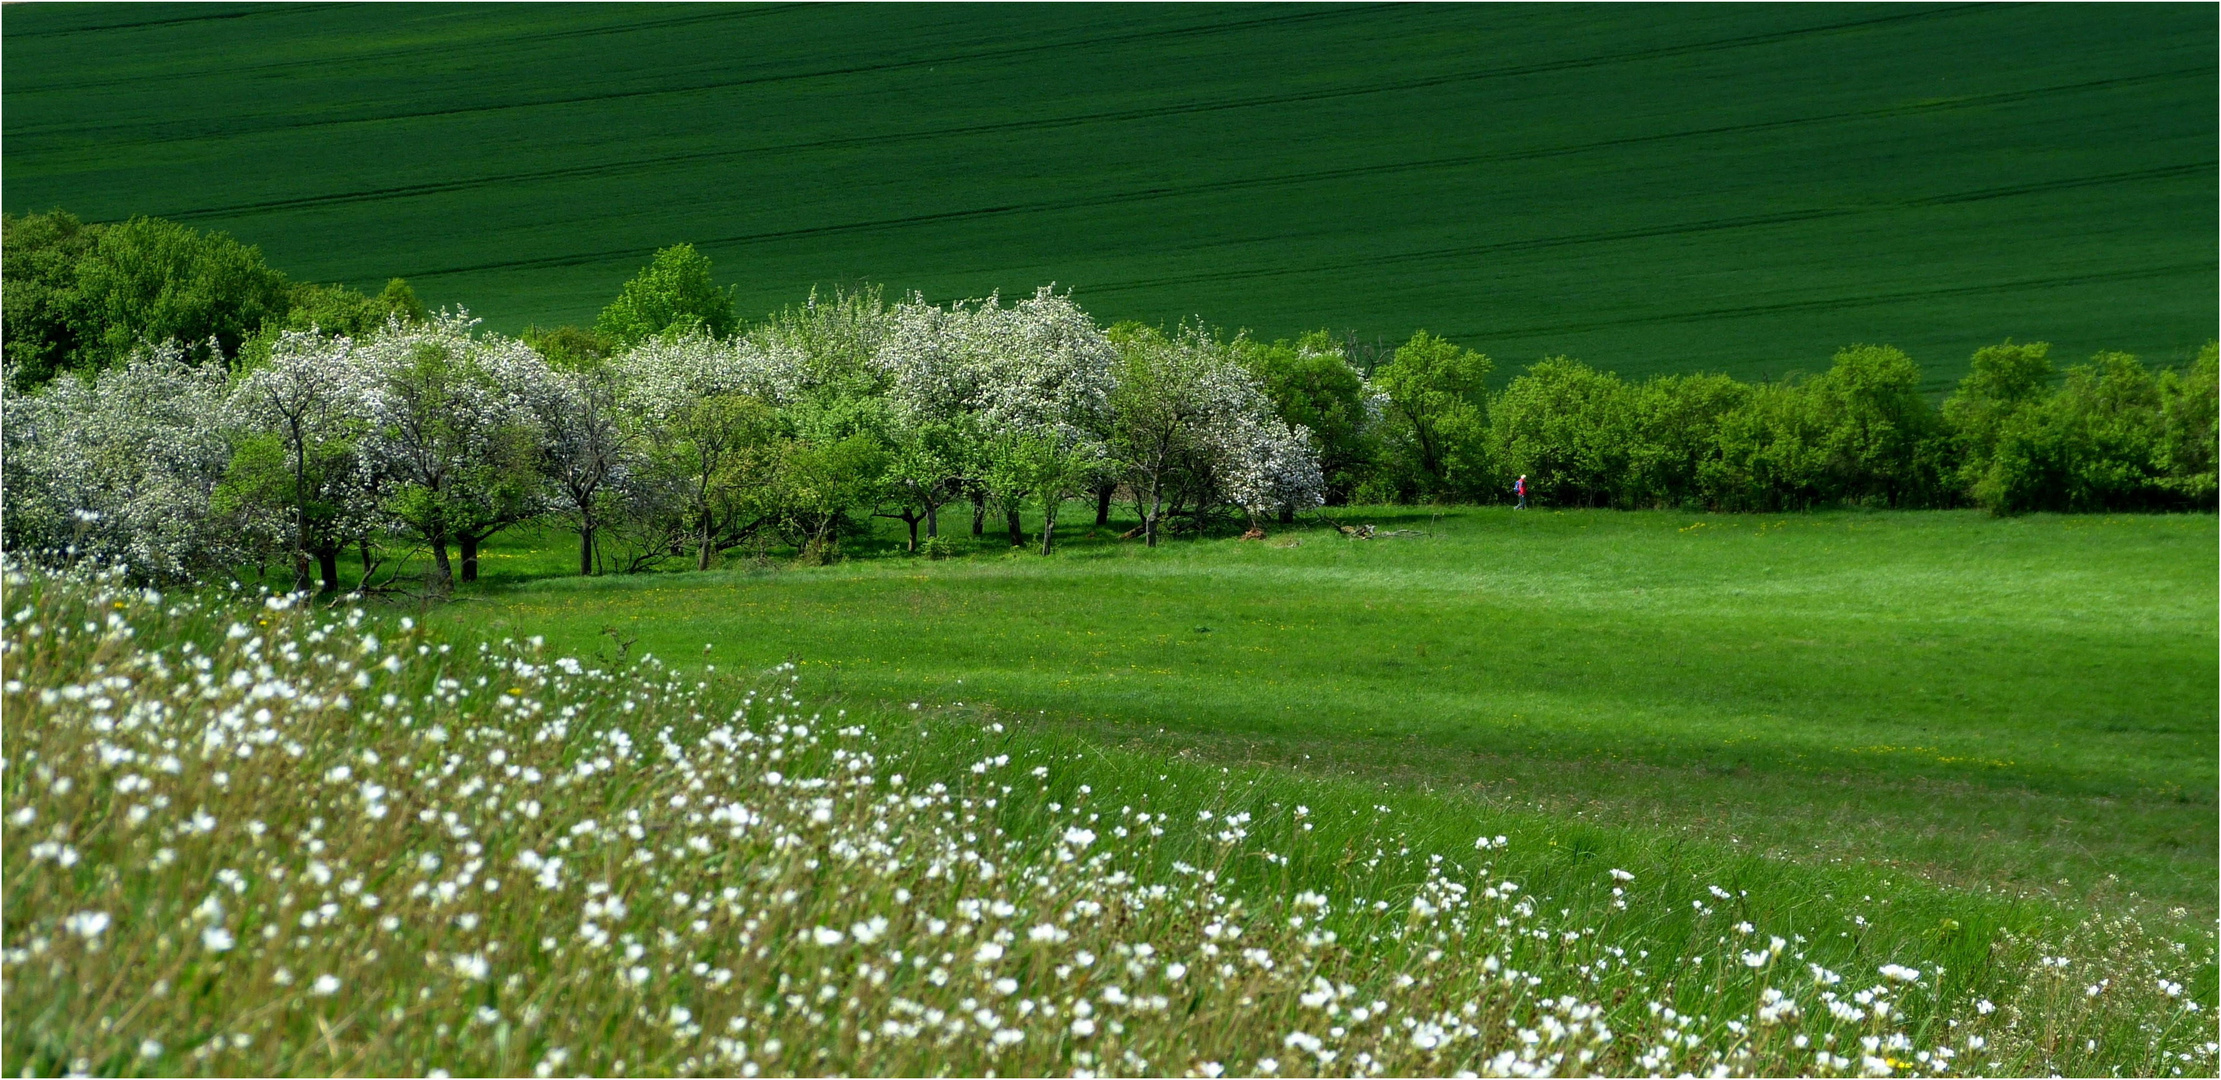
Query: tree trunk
x,y
301,577
1288,514
586,551
327,564
911,520
979,516
1102,504
1017,531
469,543
1048,527
443,572
932,521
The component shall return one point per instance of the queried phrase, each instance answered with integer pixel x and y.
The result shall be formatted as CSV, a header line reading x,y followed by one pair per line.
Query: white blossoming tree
x,y
1031,382
122,467
593,447
710,445
1193,430
453,427
298,463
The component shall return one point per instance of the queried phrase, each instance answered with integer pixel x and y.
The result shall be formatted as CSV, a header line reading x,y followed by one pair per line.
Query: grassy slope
x,y
1739,188
1672,934
2017,702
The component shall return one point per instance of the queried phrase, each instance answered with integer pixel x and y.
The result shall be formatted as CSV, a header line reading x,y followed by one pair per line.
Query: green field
x,y
2022,704
1731,188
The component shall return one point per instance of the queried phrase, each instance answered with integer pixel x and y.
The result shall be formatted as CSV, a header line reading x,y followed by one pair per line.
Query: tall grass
x,y
263,837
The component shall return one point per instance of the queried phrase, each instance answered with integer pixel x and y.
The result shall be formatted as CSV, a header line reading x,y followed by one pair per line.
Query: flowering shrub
x,y
280,838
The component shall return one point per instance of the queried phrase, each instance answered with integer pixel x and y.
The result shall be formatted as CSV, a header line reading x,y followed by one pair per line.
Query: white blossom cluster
x,y
273,837
121,467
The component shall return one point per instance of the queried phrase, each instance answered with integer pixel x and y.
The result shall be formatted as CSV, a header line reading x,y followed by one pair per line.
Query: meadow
x,y
2019,704
250,834
1740,188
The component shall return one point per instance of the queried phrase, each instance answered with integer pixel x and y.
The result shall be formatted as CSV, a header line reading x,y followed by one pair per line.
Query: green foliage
x,y
573,348
2000,381
673,294
82,296
1311,383
712,464
1438,405
39,293
148,280
2112,436
337,309
1677,420
1878,433
2188,402
1570,430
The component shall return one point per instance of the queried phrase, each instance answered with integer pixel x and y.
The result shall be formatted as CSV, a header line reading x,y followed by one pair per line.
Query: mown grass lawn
x,y
2023,703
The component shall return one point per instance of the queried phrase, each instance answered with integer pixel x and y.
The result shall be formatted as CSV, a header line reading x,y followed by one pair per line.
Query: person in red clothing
x,y
1519,488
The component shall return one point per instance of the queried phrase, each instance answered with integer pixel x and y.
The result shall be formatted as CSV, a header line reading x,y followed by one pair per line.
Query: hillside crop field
x,y
2021,704
1729,188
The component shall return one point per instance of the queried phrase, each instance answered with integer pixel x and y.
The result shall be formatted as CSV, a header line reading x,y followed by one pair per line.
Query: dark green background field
x,y
2026,703
1730,188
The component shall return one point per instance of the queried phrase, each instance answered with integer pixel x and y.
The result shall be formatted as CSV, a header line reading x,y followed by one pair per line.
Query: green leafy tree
x,y
1677,422
337,309
39,298
571,348
1569,428
150,280
1312,384
1769,452
1438,398
2001,381
2098,443
672,294
1880,435
2187,402
819,487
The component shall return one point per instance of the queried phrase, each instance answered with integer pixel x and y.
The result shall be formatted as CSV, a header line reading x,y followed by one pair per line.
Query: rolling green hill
x,y
1729,188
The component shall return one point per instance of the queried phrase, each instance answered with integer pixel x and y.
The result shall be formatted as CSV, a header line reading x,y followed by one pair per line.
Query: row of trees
x,y
685,445
2016,435
669,430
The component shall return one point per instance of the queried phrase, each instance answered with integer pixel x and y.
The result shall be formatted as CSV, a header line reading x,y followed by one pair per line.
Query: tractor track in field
x,y
164,132
1747,221
1714,225
1844,302
274,66
170,131
222,16
606,170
